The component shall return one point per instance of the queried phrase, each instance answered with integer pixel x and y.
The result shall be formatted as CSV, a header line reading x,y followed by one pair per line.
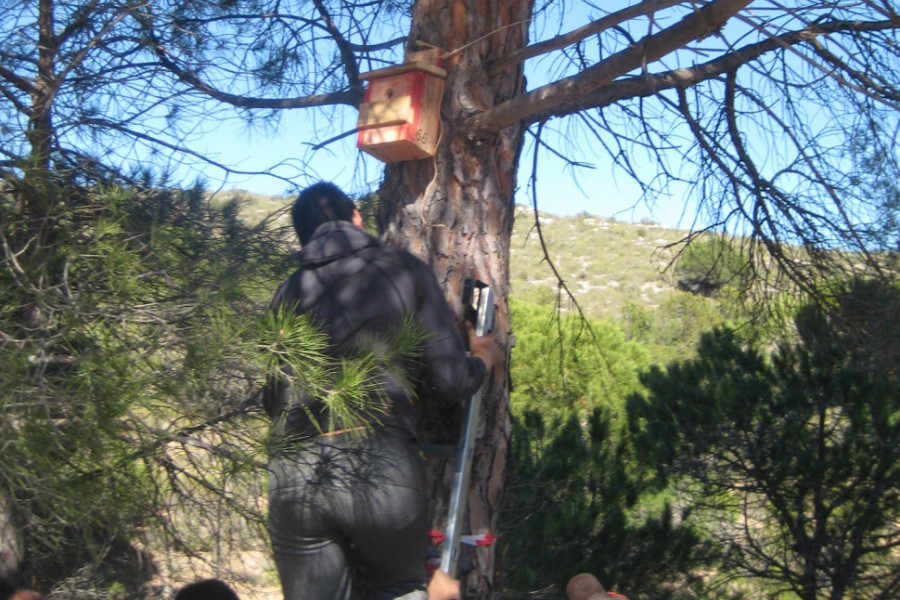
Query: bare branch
x,y
578,35
350,97
561,284
177,148
647,85
347,57
866,84
697,25
21,83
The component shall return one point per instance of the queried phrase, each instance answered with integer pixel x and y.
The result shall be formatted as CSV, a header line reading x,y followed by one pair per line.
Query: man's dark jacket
x,y
361,292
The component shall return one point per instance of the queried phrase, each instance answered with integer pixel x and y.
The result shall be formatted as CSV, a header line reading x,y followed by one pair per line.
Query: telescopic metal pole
x,y
484,322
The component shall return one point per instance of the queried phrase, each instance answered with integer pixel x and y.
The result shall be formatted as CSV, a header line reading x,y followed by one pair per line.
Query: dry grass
x,y
603,262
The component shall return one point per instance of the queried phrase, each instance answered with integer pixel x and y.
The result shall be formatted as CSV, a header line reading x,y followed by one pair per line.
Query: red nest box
x,y
400,117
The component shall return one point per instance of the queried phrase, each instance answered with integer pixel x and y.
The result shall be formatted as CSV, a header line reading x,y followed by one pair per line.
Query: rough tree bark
x,y
456,212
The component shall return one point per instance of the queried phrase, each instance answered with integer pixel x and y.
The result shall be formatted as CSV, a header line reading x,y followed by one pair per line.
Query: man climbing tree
x,y
347,484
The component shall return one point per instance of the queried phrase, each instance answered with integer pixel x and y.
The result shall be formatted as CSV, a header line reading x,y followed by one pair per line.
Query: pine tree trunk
x,y
456,213
32,225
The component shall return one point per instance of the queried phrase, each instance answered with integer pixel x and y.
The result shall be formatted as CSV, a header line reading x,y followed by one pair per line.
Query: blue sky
x,y
562,190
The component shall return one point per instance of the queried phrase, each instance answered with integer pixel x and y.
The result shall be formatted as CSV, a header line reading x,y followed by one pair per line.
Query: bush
x,y
790,458
132,346
574,498
705,266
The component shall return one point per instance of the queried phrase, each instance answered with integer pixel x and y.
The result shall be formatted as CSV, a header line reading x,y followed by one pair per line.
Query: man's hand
x,y
485,348
443,587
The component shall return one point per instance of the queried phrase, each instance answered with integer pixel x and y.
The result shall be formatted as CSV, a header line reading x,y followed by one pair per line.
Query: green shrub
x,y
130,358
708,265
789,457
574,498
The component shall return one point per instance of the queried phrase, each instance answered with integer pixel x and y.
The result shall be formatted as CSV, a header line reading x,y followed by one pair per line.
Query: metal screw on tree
x,y
479,297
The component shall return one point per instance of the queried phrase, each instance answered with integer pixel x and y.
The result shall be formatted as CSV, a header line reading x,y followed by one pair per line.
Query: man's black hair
x,y
207,589
317,204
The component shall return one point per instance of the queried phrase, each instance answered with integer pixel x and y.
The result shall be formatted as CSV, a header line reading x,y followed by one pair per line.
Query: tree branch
x,y
21,83
350,97
867,85
573,37
697,25
281,16
647,85
178,148
347,56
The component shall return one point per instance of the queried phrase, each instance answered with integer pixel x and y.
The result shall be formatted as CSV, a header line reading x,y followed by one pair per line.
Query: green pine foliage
x,y
563,364
671,329
575,496
709,264
135,340
105,361
132,358
790,458
577,502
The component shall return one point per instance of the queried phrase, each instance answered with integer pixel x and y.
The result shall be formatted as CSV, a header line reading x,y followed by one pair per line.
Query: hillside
x,y
606,264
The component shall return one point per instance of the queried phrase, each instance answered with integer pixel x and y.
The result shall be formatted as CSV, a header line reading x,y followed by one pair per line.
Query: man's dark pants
x,y
338,501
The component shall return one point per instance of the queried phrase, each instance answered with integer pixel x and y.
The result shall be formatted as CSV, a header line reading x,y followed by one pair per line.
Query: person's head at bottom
x,y
207,589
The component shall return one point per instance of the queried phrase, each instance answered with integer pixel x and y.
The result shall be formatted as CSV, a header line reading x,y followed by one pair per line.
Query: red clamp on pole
x,y
485,539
